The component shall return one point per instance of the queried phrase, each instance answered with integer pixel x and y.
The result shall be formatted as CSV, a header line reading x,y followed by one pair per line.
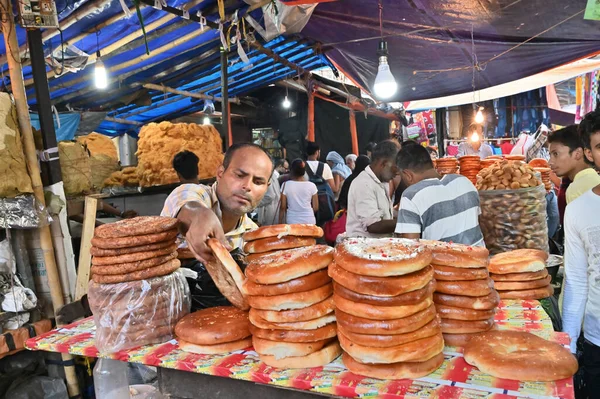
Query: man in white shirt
x,y
313,152
475,147
582,264
369,203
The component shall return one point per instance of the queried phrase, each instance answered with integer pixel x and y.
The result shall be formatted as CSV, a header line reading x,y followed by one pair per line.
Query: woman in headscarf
x,y
340,171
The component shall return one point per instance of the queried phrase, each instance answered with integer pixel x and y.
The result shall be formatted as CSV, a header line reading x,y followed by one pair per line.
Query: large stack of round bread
x,y
470,165
217,330
290,296
387,323
465,297
269,239
446,166
521,274
134,249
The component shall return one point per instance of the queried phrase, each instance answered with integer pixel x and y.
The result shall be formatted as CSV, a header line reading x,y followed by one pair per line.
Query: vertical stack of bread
x,y
470,165
521,274
446,166
290,296
387,323
465,297
135,295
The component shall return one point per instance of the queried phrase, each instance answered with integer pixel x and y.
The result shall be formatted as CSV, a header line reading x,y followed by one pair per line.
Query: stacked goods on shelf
x,y
159,143
75,168
515,157
127,177
446,166
513,207
465,297
387,323
103,157
541,165
137,296
268,239
521,274
211,331
470,165
13,169
291,305
521,356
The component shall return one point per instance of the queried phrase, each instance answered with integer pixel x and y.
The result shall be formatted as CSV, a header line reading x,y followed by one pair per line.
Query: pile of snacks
x,y
507,175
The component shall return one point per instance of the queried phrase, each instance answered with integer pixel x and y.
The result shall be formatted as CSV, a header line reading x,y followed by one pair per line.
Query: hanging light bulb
x,y
286,103
479,116
100,75
206,120
475,137
385,85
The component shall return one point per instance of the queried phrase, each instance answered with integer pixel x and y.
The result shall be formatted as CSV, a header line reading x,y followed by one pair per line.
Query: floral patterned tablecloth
x,y
454,379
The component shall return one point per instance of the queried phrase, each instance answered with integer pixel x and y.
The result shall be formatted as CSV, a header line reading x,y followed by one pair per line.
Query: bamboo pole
x,y
165,89
353,133
311,116
20,98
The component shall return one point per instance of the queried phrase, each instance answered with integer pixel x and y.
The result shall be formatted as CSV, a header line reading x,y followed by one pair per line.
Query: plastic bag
x,y
514,219
138,313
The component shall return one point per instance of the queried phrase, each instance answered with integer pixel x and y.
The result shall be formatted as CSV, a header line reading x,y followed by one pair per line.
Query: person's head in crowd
x,y
370,148
313,151
432,153
351,161
567,157
414,164
298,168
185,164
243,178
383,160
408,143
334,159
589,130
361,164
282,166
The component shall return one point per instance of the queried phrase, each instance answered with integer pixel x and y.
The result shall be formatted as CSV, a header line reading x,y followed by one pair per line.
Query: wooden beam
x,y
311,116
353,132
85,257
165,89
276,57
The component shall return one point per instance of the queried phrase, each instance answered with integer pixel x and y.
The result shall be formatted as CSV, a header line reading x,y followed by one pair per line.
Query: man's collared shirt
x,y
368,202
206,196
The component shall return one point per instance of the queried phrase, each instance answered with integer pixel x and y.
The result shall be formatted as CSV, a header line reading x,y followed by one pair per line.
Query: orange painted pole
x,y
229,133
353,133
310,136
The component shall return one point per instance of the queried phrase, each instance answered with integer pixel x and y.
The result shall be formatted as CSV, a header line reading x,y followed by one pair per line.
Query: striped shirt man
x,y
445,209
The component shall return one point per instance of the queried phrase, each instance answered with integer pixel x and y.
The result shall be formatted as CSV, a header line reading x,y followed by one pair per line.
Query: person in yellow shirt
x,y
567,159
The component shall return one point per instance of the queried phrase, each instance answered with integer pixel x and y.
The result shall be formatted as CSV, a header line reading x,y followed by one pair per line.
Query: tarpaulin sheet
x,y
435,35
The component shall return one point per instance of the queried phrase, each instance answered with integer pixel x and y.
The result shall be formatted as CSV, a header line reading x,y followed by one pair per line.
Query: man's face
x,y
351,164
476,145
593,153
283,169
389,170
243,185
562,160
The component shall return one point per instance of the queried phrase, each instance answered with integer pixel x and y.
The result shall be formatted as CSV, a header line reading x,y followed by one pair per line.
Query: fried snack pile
x,y
75,168
99,144
127,177
507,175
158,144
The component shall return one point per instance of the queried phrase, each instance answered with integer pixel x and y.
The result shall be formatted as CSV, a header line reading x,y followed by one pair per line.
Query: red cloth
x,y
452,150
562,198
506,147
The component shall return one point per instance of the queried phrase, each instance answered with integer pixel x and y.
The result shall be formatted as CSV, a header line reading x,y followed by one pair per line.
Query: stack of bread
x,y
470,165
211,331
137,296
269,239
521,274
515,157
489,161
387,323
541,165
447,166
290,296
465,297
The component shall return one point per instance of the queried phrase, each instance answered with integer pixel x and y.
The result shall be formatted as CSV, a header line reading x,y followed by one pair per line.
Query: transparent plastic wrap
x,y
138,313
514,219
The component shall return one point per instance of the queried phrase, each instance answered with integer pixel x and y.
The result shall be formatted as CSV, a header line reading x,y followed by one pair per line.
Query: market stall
x,y
455,378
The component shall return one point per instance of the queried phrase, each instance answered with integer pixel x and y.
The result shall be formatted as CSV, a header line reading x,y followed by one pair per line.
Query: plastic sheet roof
x,y
430,40
179,58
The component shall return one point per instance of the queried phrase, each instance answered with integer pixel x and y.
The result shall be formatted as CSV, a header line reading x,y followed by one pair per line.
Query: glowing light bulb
x,y
385,85
206,120
479,116
286,103
475,137
100,75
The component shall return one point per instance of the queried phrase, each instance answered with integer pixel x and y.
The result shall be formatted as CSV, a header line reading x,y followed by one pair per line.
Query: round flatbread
x,y
124,251
271,244
282,230
134,257
133,266
141,225
133,241
227,275
161,270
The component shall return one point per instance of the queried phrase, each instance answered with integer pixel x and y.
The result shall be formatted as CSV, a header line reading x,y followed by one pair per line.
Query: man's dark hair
x,y
567,136
589,125
280,162
312,148
186,164
387,149
371,146
415,158
298,167
236,147
408,142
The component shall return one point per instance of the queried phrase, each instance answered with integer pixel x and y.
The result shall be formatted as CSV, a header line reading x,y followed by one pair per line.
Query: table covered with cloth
x,y
454,379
